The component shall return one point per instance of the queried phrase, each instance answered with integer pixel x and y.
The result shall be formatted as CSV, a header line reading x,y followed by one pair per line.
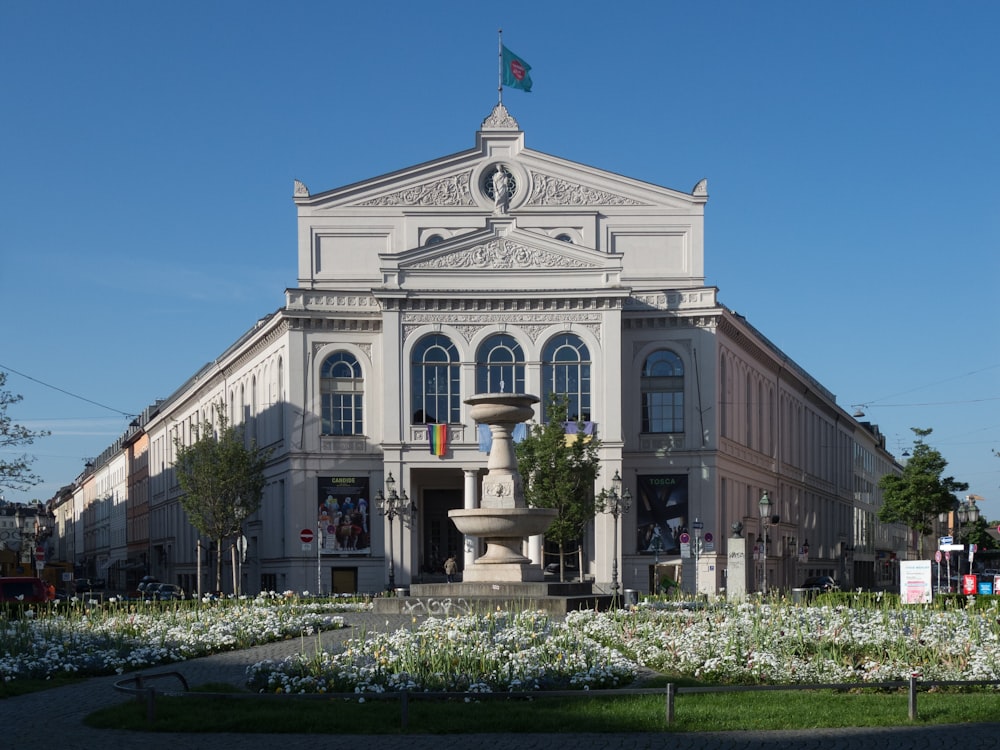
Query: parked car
x,y
166,592
23,589
820,583
145,588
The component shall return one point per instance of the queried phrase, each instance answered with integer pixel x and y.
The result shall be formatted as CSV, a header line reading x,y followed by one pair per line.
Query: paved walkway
x,y
55,718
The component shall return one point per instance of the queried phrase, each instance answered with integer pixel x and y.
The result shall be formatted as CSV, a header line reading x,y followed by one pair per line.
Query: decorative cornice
x,y
470,324
502,253
555,191
500,119
673,300
448,191
252,353
304,300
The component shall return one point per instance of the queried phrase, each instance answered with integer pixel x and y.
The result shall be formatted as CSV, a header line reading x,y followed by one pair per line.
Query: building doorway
x,y
344,580
440,537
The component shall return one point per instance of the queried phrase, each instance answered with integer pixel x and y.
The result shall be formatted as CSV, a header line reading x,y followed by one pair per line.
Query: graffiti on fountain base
x,y
433,606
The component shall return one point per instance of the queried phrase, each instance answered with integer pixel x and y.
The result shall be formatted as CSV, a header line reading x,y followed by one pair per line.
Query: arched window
x,y
342,391
566,372
435,381
500,365
663,393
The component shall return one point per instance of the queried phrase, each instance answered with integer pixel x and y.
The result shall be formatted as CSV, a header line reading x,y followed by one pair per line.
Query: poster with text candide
x,y
915,581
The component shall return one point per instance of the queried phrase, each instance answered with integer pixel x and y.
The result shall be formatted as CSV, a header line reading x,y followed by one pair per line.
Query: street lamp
x,y
698,525
392,505
765,506
616,502
968,513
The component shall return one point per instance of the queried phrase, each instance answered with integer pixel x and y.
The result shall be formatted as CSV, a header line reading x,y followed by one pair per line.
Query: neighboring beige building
x,y
503,268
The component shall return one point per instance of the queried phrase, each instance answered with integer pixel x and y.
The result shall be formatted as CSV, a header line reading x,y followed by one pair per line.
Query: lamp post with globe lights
x,y
965,512
617,502
392,505
766,519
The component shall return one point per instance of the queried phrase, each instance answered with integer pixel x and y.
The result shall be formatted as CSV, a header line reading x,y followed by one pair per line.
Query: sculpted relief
x,y
502,253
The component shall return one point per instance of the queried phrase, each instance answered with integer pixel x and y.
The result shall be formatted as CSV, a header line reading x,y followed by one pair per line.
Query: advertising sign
x,y
915,581
343,516
969,584
661,513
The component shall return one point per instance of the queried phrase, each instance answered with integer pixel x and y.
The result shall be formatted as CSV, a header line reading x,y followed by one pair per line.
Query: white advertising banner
x,y
915,581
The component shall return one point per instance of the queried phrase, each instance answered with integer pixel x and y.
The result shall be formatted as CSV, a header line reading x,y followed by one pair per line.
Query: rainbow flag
x,y
437,438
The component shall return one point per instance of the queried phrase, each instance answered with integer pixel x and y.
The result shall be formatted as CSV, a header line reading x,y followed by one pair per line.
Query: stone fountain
x,y
502,577
503,520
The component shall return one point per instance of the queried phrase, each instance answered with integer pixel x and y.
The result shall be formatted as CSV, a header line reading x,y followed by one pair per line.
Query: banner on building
x,y
343,517
661,513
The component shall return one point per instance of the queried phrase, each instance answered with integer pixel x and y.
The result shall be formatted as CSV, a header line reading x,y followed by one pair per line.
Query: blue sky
x,y
851,151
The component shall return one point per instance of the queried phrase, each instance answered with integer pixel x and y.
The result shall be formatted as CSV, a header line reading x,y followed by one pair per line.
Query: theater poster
x,y
661,513
343,516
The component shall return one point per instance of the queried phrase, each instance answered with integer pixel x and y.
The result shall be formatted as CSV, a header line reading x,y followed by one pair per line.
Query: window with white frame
x,y
662,389
342,390
435,382
500,365
566,372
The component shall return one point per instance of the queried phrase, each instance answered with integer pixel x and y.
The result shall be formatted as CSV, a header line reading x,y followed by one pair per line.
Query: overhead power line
x,y
68,393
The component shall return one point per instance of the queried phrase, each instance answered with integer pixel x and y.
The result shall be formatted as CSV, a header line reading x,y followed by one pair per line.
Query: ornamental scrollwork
x,y
502,254
554,191
449,191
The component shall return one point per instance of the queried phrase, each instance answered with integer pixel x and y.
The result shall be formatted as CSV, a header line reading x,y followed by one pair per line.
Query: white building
x,y
503,268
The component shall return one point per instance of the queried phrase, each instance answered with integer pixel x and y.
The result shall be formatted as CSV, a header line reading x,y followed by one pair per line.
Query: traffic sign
x,y
306,535
40,553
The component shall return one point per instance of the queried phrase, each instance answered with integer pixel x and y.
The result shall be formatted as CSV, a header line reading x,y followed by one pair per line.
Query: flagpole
x,y
499,66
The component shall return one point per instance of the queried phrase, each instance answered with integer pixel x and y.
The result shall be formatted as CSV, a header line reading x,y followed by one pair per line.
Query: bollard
x,y
151,706
671,692
914,676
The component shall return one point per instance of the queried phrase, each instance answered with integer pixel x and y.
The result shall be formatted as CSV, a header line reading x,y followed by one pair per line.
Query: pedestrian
x,y
450,568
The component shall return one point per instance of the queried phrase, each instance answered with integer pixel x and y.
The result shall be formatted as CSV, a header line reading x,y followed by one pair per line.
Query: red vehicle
x,y
23,589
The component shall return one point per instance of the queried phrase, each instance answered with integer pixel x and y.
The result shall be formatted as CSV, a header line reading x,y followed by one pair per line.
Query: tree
x,y
919,494
223,482
978,533
15,473
560,473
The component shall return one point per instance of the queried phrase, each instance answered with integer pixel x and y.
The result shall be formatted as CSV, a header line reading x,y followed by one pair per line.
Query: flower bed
x,y
78,639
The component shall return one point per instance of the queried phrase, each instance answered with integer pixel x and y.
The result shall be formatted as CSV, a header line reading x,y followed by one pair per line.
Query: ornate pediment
x,y
556,191
453,190
500,119
501,253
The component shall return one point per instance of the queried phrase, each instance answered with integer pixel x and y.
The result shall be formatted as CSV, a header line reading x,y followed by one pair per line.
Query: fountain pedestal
x,y
503,519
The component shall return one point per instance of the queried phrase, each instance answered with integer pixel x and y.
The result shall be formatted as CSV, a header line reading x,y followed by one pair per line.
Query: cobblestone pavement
x,y
55,718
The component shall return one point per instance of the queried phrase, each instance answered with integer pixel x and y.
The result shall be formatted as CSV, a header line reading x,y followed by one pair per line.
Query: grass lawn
x,y
768,710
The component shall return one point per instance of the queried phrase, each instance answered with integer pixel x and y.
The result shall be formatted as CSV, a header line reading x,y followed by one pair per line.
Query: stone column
x,y
471,542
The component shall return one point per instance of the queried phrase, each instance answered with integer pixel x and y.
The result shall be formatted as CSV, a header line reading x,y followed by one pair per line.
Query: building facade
x,y
504,269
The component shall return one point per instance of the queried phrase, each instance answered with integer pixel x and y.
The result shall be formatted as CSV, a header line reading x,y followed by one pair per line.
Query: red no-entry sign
x,y
306,535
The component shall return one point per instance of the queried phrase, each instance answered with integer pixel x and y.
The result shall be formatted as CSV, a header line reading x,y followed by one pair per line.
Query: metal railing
x,y
139,685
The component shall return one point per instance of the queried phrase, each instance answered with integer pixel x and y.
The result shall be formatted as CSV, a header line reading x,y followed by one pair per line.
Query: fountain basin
x,y
503,522
502,408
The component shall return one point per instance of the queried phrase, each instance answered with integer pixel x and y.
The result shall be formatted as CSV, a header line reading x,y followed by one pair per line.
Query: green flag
x,y
515,71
